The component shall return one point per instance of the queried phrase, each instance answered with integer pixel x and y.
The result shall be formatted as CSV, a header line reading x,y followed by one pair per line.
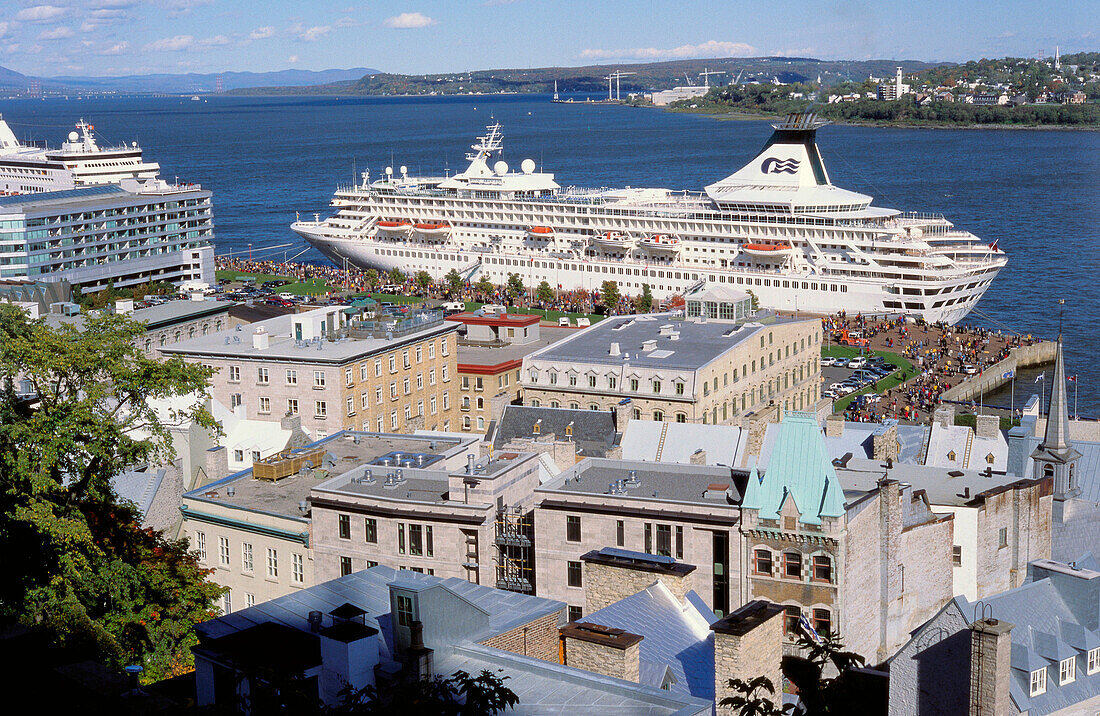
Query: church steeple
x,y
1055,457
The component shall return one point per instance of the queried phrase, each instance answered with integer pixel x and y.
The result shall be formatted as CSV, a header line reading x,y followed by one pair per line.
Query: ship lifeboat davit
x,y
393,227
612,240
660,244
768,251
433,229
540,232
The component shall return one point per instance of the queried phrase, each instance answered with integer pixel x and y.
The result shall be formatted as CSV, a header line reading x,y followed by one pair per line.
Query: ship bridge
x,y
787,176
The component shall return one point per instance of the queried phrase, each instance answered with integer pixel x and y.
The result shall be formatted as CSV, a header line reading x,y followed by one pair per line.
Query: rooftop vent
x,y
614,351
260,339
303,506
665,330
393,479
648,346
231,491
617,488
632,479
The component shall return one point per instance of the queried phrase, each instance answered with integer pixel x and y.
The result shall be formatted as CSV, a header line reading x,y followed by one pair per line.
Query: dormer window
x,y
951,456
1067,670
1038,682
989,458
1094,661
406,612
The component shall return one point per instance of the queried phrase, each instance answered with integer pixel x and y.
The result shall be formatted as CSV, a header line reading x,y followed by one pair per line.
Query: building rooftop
x,y
500,319
677,343
593,431
695,484
283,344
654,441
73,199
165,314
471,355
340,454
942,485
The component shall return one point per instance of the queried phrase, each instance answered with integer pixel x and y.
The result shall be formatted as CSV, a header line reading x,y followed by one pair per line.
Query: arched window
x,y
762,561
658,416
681,417
593,406
465,402
465,422
205,329
218,325
191,332
1072,476
823,622
637,413
555,404
480,403
535,403
148,344
1048,471
574,406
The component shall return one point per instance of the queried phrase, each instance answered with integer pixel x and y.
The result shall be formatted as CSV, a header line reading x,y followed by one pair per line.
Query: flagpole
x,y
1076,415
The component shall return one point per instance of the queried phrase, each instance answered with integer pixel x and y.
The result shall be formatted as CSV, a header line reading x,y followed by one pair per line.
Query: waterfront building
x,y
381,625
121,235
491,348
374,372
691,369
895,90
777,227
663,98
1034,649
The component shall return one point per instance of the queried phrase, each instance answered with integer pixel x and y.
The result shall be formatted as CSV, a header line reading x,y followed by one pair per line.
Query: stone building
x,y
695,369
562,436
382,373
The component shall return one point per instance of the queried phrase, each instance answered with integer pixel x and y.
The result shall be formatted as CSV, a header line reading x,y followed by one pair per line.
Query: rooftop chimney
x,y
615,350
124,306
987,426
990,664
749,643
260,339
602,650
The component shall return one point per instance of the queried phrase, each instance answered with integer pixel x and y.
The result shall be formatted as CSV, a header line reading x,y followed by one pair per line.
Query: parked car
x,y
826,361
970,369
859,362
286,296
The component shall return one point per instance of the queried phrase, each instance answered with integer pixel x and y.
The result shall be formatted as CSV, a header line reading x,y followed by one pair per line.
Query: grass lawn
x,y
309,288
890,381
227,274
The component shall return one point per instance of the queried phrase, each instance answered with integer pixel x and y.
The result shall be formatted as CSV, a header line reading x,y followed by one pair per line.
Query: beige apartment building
x,y
377,373
713,367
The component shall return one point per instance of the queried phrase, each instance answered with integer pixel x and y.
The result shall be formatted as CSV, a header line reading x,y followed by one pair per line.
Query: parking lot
x,y
840,379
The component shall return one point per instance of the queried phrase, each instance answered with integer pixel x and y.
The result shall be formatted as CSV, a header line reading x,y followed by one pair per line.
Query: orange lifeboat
x,y
433,228
774,251
543,231
393,227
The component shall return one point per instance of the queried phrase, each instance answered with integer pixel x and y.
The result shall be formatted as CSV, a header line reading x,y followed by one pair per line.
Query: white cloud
x,y
40,13
347,22
58,33
10,49
171,44
262,33
116,49
409,21
293,59
710,48
215,41
4,29
315,33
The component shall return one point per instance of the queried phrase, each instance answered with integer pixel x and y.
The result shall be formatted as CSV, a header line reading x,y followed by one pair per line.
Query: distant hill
x,y
592,78
181,83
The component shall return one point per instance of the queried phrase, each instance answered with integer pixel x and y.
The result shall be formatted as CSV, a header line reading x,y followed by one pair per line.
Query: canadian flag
x,y
1072,379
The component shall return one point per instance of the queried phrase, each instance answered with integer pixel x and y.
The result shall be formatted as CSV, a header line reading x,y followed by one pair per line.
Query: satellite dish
x,y
389,171
404,170
501,168
527,166
73,136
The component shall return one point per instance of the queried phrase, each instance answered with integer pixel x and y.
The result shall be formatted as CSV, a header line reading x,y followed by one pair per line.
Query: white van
x,y
454,307
493,309
583,323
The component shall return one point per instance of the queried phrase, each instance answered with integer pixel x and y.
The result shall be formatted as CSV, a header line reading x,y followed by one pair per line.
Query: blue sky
x,y
113,37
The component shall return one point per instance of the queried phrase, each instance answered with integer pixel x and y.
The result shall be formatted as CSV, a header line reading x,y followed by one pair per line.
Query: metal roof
x,y
54,197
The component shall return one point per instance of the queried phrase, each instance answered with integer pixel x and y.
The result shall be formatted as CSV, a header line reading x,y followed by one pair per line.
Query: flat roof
x,y
155,316
500,319
282,497
475,355
695,344
85,196
659,482
942,485
282,345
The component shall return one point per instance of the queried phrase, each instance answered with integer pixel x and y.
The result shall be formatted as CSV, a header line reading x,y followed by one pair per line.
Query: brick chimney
x,y
215,466
699,457
944,415
988,426
602,650
612,574
622,413
749,643
834,426
884,442
990,662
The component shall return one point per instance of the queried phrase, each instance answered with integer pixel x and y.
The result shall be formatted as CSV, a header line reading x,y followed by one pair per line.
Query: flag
x,y
1009,374
808,628
1072,379
1041,376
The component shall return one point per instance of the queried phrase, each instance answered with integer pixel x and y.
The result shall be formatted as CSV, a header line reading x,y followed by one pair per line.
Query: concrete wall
x,y
931,675
991,378
1025,513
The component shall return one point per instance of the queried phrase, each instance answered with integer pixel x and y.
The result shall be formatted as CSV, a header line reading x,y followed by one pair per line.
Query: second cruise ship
x,y
777,227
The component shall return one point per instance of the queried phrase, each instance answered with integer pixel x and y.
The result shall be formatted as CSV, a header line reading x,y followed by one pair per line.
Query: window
x,y
553,379
823,568
400,538
679,542
292,406
393,364
234,374
405,358
656,386
318,379
272,563
1039,682
823,623
791,615
246,557
634,384
664,540
297,569
227,601
348,377
762,561
444,346
1002,537
405,615
351,405
591,381
956,555
320,410
371,527
792,565
612,382
345,566
223,551
446,401
405,385
432,404
238,455
1067,670
419,354
431,351
575,613
431,377
445,378
572,528
261,376
679,389
292,377
420,381
573,574
200,545
345,526
249,600
658,416
1094,661
416,540
235,400
620,533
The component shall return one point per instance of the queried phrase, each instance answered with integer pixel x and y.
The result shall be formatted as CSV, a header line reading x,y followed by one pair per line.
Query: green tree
x,y
461,694
754,301
78,565
644,302
371,277
515,287
544,293
454,282
754,698
484,286
609,293
397,276
423,280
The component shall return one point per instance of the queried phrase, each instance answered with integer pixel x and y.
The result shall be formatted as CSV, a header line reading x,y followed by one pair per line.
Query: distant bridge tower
x,y
219,86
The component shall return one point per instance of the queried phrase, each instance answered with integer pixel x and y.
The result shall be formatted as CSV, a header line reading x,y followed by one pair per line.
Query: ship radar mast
x,y
800,122
492,141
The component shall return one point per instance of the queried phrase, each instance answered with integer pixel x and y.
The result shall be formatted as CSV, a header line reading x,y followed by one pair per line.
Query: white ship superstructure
x,y
27,169
777,227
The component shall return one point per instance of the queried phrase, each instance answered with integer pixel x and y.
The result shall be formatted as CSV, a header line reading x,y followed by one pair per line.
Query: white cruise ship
x,y
26,169
777,227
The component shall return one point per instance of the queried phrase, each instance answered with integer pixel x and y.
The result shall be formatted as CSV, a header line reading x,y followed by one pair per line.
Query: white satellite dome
x,y
73,136
501,168
389,171
404,170
527,166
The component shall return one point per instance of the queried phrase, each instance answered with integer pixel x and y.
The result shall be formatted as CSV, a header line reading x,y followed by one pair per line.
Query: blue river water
x,y
1037,192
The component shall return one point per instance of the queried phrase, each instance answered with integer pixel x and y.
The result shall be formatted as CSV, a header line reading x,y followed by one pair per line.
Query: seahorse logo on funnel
x,y
772,165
